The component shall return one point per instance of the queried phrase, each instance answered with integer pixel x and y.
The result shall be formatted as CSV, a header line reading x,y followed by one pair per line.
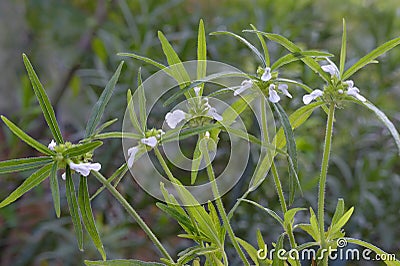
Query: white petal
x,y
131,154
213,112
246,84
354,91
266,75
84,168
331,69
349,83
284,89
175,118
312,96
150,141
63,176
273,95
197,90
207,135
52,144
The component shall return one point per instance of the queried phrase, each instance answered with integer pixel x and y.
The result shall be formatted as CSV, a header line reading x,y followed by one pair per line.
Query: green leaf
x,y
55,190
17,165
44,101
261,171
201,53
289,216
183,134
247,43
105,125
392,129
196,161
87,216
82,149
377,250
370,57
343,49
182,91
279,245
292,151
145,59
122,263
289,58
309,230
98,109
73,207
263,45
142,102
338,212
176,67
117,135
342,221
269,211
32,181
182,219
249,249
314,225
26,138
132,114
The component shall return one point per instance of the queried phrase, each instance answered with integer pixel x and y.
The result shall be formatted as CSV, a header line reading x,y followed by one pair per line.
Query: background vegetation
x,y
73,45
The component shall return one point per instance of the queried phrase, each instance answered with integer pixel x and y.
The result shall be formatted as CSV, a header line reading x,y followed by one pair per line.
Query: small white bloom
x,y
340,91
331,69
64,176
150,141
355,92
207,135
84,168
273,95
284,89
312,96
246,84
131,154
213,113
266,75
52,145
197,90
175,118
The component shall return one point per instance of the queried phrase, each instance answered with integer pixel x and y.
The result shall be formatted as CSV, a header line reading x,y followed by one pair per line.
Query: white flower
x,y
175,118
354,91
197,91
331,69
284,89
52,144
131,154
266,75
207,135
312,96
84,168
150,141
273,95
246,84
213,113
64,176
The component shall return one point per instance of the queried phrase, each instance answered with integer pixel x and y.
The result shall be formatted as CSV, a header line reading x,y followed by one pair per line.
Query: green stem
x,y
324,172
133,213
220,206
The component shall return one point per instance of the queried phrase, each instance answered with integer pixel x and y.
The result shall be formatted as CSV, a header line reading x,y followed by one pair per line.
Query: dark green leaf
x,y
182,219
87,216
144,59
17,165
44,101
98,109
32,181
142,102
289,58
73,207
122,263
26,138
81,149
55,190
370,57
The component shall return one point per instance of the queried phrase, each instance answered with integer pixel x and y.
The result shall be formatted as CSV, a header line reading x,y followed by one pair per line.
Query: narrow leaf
x,y
343,49
246,42
26,138
17,165
122,263
263,45
370,57
249,249
269,211
289,215
144,59
98,109
342,221
82,149
132,113
292,57
87,216
338,212
55,190
44,101
73,207
32,181
196,161
142,102
201,52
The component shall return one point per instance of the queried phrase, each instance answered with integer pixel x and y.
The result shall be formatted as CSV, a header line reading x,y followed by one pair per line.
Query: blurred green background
x,y
73,46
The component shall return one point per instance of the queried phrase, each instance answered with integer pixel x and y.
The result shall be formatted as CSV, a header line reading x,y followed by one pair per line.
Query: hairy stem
x,y
324,172
132,213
